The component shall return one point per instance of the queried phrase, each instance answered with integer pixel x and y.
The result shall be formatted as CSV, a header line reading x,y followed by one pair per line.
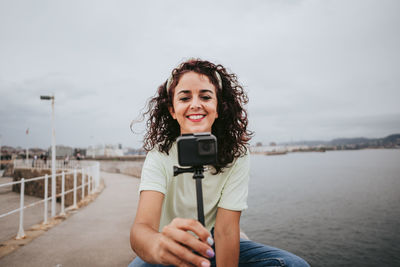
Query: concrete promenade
x,y
96,235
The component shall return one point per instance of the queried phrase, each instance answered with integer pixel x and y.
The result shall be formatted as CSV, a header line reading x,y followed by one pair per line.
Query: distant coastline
x,y
391,141
9,153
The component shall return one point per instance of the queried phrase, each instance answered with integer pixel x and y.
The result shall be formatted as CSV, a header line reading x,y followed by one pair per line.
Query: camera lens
x,y
206,147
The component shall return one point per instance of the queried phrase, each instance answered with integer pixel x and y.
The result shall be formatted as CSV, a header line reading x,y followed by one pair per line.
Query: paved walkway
x,y
97,235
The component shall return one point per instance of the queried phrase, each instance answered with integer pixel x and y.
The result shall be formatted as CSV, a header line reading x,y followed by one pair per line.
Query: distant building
x,y
105,151
95,151
113,151
62,151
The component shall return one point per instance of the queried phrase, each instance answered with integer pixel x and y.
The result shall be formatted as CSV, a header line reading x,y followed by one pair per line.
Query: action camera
x,y
197,149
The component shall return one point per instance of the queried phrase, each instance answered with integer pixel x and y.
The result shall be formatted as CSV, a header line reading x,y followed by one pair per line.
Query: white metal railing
x,y
90,173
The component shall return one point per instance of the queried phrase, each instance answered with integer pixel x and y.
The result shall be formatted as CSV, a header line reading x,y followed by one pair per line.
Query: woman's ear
x,y
172,112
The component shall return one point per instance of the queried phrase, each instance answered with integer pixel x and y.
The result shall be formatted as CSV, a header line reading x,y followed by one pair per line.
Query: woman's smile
x,y
195,117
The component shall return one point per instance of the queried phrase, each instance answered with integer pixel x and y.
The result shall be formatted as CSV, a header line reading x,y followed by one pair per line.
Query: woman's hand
x,y
175,246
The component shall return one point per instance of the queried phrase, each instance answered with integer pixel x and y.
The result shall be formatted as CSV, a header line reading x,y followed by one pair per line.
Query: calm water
x,y
339,208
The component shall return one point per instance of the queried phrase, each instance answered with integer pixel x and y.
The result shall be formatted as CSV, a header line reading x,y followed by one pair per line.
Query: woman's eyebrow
x,y
206,91
184,92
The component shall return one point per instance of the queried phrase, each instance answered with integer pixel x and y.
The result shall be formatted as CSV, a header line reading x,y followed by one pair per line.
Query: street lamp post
x,y
0,150
93,146
27,147
53,156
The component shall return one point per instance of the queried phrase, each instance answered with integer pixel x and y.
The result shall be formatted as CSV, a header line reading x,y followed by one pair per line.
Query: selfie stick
x,y
197,175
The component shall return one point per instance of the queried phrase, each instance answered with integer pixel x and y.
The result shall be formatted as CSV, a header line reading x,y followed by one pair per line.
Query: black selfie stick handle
x,y
197,175
199,194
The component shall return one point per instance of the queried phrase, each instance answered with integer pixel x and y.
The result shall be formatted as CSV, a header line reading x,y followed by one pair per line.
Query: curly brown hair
x,y
230,127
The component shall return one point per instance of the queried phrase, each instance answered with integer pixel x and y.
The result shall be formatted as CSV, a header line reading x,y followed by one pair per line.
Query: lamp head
x,y
46,97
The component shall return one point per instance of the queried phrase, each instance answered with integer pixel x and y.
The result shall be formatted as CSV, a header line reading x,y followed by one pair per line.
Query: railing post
x,y
53,194
89,185
83,183
75,188
93,178
98,175
62,193
46,184
21,232
96,183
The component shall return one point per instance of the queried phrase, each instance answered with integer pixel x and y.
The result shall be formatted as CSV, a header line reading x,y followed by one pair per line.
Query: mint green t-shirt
x,y
227,190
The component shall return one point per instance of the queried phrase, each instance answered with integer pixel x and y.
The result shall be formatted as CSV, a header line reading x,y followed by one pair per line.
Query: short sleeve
x,y
153,173
235,191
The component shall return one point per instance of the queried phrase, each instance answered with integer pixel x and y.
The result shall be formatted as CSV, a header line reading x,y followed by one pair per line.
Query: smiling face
x,y
194,103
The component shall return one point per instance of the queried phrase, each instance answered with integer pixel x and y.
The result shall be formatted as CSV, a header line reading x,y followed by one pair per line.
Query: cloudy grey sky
x,y
312,69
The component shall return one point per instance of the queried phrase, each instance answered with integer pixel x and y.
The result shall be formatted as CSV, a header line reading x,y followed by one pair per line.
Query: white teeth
x,y
195,117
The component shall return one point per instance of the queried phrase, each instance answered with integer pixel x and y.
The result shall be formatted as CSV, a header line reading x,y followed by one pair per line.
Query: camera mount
x,y
197,175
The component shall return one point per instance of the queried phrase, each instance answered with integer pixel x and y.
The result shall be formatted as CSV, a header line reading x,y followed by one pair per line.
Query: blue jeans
x,y
251,254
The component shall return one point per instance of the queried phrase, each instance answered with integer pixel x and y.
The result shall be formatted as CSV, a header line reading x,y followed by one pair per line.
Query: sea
x,y
334,208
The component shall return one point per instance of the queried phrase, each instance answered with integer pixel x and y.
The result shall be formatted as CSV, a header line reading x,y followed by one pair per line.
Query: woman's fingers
x,y
178,247
189,241
178,255
188,257
194,226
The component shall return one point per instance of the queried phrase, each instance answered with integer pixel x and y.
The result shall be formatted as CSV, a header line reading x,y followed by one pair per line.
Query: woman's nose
x,y
195,103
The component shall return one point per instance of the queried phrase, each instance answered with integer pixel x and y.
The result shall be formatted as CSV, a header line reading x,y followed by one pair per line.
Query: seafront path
x,y
95,235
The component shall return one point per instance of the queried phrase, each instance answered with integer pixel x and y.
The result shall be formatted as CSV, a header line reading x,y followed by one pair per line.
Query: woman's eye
x,y
184,98
206,97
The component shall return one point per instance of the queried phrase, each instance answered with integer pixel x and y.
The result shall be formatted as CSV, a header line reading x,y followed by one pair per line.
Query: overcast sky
x,y
312,69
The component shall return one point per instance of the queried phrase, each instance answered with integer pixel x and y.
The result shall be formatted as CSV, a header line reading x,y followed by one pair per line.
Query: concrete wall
x,y
132,168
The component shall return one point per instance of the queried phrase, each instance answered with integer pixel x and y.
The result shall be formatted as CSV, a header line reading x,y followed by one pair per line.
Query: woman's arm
x,y
227,237
145,226
174,244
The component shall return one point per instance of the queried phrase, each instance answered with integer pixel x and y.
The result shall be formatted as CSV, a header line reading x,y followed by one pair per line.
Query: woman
x,y
199,96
